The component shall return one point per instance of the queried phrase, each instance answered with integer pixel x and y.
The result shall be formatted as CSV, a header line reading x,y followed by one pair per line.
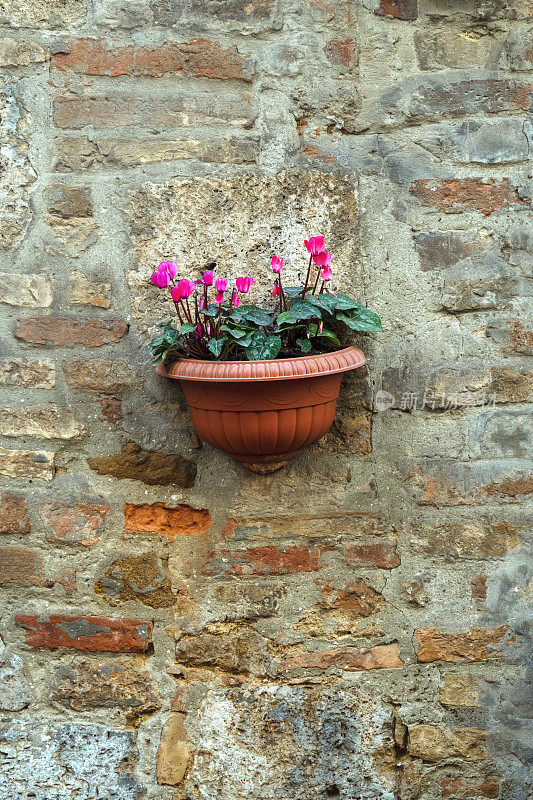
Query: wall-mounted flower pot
x,y
263,412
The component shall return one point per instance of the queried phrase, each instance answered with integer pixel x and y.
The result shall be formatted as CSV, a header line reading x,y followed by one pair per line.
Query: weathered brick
x,y
68,201
94,634
383,656
356,525
456,195
17,53
444,46
487,141
99,375
74,523
44,421
177,111
357,598
70,331
31,373
442,482
25,291
399,9
236,14
78,155
166,520
148,466
143,578
437,742
268,560
15,689
88,685
476,644
343,53
21,566
457,689
174,751
14,516
503,434
89,292
458,788
32,464
197,58
376,555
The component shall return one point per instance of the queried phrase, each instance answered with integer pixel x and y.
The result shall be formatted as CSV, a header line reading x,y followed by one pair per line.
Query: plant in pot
x,y
260,383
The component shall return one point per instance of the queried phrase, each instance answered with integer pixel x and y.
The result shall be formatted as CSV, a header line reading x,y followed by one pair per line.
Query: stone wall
x,y
356,625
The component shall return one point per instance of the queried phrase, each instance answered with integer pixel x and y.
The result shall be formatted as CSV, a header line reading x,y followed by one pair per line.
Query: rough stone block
x,y
437,742
21,566
14,518
17,53
43,421
15,691
48,760
476,644
174,751
456,195
26,291
152,468
143,578
68,201
382,656
31,373
86,291
100,375
31,464
457,689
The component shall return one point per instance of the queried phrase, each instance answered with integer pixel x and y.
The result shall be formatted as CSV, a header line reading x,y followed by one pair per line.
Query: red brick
x,y
456,788
167,520
14,514
476,644
68,331
197,58
357,597
377,555
383,656
399,9
77,523
454,195
21,566
95,634
478,589
342,53
268,560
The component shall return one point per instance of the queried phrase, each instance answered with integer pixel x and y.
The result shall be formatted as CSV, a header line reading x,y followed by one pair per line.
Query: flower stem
x,y
307,276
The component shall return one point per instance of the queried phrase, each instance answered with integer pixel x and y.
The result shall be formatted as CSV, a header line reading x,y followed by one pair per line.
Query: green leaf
x,y
157,342
345,303
255,314
286,318
187,327
303,310
215,346
210,310
304,345
263,347
362,320
292,291
325,301
325,334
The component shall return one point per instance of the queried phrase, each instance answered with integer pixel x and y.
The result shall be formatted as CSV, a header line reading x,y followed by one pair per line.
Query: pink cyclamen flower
x,y
276,290
326,274
236,301
314,245
243,284
220,285
208,278
183,290
161,279
323,259
219,297
277,264
168,266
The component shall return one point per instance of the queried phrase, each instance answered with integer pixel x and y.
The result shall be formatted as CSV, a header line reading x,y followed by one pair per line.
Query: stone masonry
x,y
356,626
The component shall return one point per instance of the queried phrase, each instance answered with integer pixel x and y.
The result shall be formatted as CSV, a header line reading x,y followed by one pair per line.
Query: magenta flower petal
x,y
322,259
314,245
243,284
160,279
277,264
220,285
208,278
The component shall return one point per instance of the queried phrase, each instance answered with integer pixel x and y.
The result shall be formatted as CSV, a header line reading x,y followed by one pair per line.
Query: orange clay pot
x,y
263,412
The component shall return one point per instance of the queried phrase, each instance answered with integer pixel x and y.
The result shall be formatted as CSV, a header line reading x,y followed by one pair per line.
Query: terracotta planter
x,y
263,412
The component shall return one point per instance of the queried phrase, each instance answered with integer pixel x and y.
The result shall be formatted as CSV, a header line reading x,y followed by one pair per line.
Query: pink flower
x,y
243,284
219,298
236,301
198,282
208,278
315,245
160,279
275,290
323,259
202,303
277,264
326,274
220,285
183,290
168,266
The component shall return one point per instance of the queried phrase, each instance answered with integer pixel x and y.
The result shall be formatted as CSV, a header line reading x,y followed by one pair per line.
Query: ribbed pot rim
x,y
191,369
